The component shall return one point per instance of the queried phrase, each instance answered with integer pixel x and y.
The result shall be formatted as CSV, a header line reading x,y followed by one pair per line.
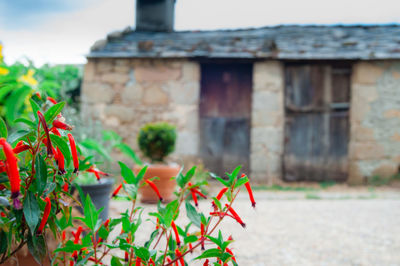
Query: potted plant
x,y
157,141
99,190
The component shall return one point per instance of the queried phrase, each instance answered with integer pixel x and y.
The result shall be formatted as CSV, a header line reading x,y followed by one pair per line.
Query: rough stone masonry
x,y
127,93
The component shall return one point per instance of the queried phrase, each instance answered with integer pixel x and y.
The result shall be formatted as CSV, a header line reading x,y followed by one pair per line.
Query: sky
x,y
62,31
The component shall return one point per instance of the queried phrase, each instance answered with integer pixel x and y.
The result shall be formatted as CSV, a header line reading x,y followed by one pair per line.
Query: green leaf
x,y
216,241
234,173
115,261
41,173
192,214
140,175
218,203
210,253
49,188
223,182
131,190
20,134
15,102
3,129
190,239
3,242
128,151
92,144
27,122
182,180
62,144
158,215
31,211
127,173
91,214
142,253
53,111
190,174
241,181
171,210
6,90
152,237
37,247
35,108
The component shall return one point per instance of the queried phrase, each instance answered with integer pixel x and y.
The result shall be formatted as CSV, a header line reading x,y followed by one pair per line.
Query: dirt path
x,y
334,229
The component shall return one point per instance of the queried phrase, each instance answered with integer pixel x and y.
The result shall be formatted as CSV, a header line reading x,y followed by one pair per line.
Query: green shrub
x,y
157,140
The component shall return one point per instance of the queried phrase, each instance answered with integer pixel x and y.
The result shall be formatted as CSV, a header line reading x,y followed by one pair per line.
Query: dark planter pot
x,y
100,194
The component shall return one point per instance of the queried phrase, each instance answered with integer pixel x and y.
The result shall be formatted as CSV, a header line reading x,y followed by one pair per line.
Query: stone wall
x,y
127,93
374,147
267,122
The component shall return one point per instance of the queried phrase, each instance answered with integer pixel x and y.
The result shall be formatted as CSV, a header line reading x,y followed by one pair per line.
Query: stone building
x,y
286,102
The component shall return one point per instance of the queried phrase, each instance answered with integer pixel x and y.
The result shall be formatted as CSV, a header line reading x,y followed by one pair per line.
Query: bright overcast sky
x,y
62,31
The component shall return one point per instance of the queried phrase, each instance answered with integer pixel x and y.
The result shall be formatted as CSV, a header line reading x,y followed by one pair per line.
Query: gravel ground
x,y
289,228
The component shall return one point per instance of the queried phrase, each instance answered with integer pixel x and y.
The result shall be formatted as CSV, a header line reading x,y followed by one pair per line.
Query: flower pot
x,y
165,184
100,194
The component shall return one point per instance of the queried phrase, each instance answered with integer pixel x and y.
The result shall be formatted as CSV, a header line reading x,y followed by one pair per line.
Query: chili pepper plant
x,y
39,164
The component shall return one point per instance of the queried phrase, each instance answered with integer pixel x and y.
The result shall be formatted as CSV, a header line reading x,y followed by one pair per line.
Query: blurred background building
x,y
291,102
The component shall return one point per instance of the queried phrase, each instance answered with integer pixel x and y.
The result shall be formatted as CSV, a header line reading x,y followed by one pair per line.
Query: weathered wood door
x,y
225,111
317,121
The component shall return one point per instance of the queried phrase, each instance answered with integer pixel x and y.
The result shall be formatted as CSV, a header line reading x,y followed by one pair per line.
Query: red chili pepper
x,y
250,192
12,172
38,95
106,223
179,255
60,162
65,187
54,152
52,100
116,191
21,148
158,224
230,238
77,234
96,172
55,131
63,235
178,241
46,131
206,263
74,152
200,193
61,125
138,261
194,197
235,215
230,252
202,232
154,187
46,214
126,256
75,255
221,193
219,196
71,262
2,214
151,262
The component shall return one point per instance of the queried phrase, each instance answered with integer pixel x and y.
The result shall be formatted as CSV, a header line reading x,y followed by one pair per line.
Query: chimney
x,y
155,15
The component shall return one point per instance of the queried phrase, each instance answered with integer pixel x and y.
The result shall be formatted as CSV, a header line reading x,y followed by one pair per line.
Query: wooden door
x,y
317,100
225,111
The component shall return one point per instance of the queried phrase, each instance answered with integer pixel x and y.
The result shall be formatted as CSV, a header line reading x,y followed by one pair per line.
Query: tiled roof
x,y
281,42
